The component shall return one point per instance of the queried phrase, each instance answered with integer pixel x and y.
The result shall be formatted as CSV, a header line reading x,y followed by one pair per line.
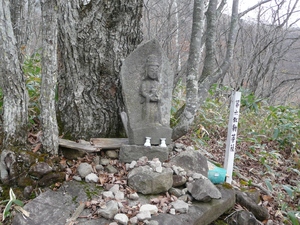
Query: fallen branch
x,y
76,214
255,185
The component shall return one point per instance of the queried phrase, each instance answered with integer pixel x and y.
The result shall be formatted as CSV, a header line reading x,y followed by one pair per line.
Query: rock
x,y
143,179
132,164
133,196
115,188
77,178
178,180
104,161
69,153
113,223
186,198
180,206
121,218
110,210
197,176
99,168
175,191
111,169
158,169
108,194
172,211
151,222
242,217
178,147
92,178
144,215
260,212
112,154
24,181
119,195
96,160
84,169
134,220
51,178
191,162
39,169
203,190
27,191
148,207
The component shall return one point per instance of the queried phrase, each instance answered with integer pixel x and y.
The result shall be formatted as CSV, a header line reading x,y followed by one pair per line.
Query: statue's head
x,y
152,69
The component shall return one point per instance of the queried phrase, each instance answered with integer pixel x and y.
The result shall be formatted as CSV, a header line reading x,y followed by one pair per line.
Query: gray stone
x,y
180,206
148,207
99,168
92,178
104,161
144,215
178,180
84,169
119,195
134,220
115,188
40,169
110,210
132,164
260,212
175,191
111,169
133,196
203,190
113,154
108,194
143,179
77,178
191,161
148,109
152,222
242,217
121,218
129,153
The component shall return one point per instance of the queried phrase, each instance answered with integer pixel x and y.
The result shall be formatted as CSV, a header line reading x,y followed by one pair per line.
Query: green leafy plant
x,y
12,201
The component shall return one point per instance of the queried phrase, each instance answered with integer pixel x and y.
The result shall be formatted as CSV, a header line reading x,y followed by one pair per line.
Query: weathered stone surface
x,y
178,180
55,207
260,212
200,213
147,97
69,153
113,154
149,207
91,178
121,218
144,215
110,169
84,169
191,161
180,206
40,169
129,153
242,217
110,210
143,179
203,190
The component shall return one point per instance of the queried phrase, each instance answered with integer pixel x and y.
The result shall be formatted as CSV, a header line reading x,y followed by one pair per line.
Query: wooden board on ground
x,y
109,143
78,146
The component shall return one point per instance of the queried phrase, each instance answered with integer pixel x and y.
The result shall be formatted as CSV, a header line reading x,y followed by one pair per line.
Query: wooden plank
x,y
78,146
109,143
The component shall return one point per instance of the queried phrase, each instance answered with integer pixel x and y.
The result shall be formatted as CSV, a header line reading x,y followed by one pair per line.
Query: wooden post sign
x,y
232,134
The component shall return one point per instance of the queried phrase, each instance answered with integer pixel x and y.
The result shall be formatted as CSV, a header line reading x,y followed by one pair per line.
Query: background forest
x,y
214,48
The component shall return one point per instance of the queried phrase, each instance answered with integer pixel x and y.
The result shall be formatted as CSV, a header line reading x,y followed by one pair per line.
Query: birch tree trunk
x,y
49,76
94,38
192,77
14,91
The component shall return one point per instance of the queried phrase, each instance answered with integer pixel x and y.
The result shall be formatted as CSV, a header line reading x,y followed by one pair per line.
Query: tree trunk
x,y
94,38
187,117
14,91
49,76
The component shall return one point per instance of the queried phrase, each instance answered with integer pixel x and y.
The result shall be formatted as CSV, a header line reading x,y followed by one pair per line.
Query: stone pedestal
x,y
128,153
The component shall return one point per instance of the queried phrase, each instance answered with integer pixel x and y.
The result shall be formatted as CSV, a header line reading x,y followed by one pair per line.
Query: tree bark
x,y
49,76
94,38
14,91
187,117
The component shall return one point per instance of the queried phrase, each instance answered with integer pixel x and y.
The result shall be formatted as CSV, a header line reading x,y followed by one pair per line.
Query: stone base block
x,y
128,153
137,136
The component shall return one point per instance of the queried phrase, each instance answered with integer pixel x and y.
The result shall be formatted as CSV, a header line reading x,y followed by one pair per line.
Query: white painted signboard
x,y
232,134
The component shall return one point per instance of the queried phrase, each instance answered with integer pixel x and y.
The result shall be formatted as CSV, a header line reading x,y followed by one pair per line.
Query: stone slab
x,y
129,153
55,207
138,135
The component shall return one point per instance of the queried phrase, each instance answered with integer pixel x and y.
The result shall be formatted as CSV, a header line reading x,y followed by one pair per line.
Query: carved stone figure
x,y
151,92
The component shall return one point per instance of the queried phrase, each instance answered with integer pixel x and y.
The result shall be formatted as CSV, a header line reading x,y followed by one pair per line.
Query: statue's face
x,y
153,72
